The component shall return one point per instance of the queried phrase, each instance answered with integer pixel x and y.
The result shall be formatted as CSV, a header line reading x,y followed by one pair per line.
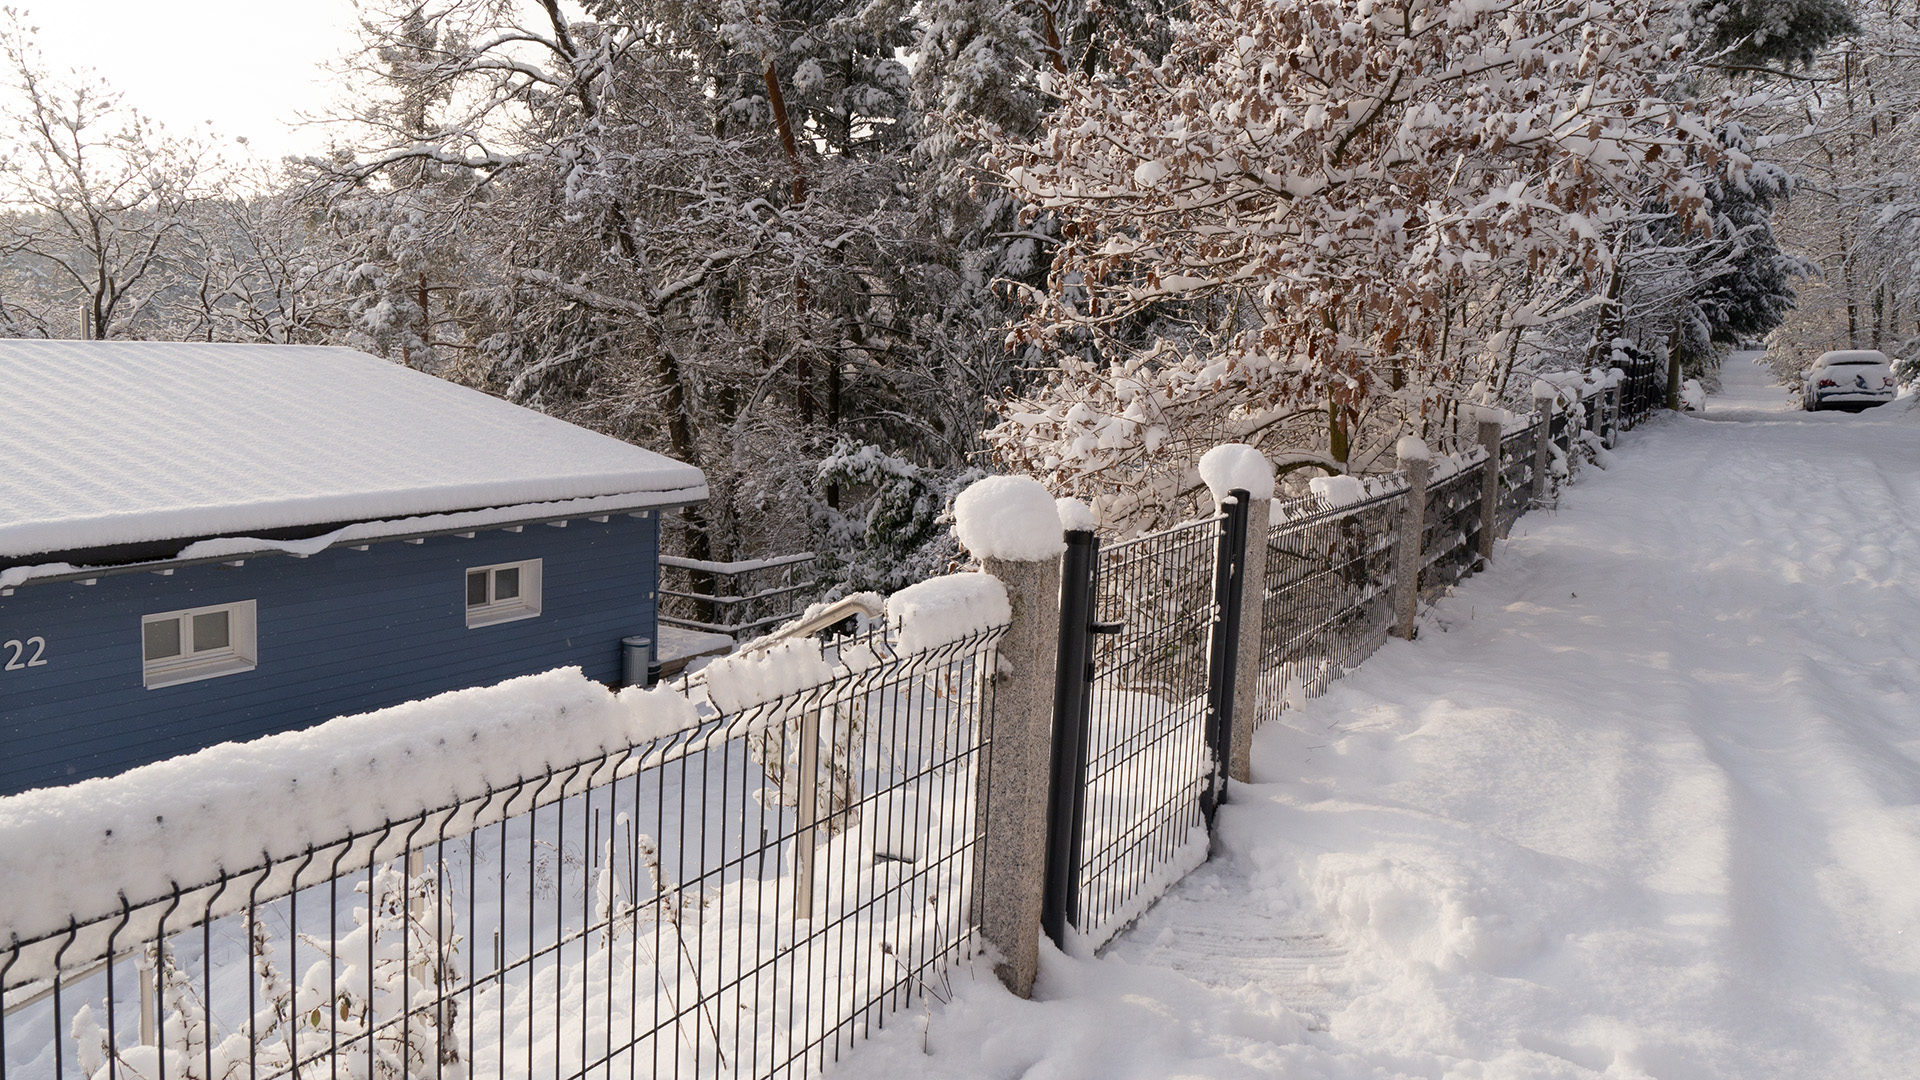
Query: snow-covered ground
x,y
1643,800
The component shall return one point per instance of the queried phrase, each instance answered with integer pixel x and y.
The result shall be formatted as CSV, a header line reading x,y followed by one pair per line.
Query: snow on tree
x,y
1765,35
1854,120
1316,225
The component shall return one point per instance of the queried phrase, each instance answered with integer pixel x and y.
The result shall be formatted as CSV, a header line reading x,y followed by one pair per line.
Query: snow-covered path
x,y
1642,800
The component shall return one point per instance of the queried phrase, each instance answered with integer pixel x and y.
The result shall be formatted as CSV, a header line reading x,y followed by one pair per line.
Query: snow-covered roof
x,y
111,443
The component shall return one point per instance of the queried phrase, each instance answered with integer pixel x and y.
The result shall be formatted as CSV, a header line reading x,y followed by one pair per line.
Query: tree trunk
x,y
803,362
1673,370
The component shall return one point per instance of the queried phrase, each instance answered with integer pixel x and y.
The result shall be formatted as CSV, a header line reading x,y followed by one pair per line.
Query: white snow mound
x,y
1008,517
1412,448
1236,467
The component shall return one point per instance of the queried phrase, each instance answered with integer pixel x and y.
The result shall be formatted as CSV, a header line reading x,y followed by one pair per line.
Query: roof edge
x,y
227,549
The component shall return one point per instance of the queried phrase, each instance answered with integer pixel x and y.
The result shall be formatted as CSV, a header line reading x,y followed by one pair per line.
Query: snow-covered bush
x,y
893,531
1313,225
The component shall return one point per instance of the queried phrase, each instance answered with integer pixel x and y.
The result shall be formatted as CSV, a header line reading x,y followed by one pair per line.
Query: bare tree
x,y
104,195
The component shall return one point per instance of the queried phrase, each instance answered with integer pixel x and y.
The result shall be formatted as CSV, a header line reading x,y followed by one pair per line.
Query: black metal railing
x,y
1516,476
1450,544
1328,600
746,897
1643,390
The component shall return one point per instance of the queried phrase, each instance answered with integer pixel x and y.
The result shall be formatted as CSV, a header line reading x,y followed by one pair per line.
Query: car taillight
x,y
1824,383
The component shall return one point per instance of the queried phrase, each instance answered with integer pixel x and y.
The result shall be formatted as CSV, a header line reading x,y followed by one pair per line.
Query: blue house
x,y
205,543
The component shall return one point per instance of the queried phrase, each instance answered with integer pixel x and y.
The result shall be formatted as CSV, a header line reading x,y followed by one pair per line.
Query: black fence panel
x,y
745,898
1328,599
1451,540
1644,390
1148,764
1516,476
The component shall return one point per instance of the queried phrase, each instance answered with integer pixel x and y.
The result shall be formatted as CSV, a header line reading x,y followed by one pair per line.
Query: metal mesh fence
x,y
1516,476
1328,597
746,898
1147,759
1451,540
1643,391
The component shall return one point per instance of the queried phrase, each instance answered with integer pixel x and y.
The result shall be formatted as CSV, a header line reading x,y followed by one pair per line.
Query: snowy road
x,y
1643,800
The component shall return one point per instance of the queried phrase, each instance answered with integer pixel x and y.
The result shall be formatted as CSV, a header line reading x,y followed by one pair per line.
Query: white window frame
x,y
241,653
524,606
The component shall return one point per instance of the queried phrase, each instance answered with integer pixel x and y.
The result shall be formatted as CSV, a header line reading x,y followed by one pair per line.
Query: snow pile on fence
x,y
1337,491
1575,386
68,851
744,680
944,609
1008,517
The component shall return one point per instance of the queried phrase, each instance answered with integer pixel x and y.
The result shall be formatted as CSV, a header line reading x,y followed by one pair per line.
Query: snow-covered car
x,y
1851,379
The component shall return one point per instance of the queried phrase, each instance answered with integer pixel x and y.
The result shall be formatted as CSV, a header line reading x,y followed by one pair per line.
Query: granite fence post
x,y
1489,486
1542,439
1246,679
1013,851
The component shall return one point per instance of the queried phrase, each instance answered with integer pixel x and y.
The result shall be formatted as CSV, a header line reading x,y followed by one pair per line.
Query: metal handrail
x,y
840,610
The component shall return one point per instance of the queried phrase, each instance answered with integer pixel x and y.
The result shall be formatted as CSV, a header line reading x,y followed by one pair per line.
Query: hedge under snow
x,y
943,609
71,851
743,680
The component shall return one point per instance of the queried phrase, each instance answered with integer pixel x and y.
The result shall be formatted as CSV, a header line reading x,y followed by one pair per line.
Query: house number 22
x,y
17,651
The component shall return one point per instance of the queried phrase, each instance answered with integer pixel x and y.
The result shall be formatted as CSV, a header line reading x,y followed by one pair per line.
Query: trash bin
x,y
637,667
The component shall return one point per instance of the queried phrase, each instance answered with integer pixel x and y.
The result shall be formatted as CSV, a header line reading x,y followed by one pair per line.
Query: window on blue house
x,y
197,643
503,592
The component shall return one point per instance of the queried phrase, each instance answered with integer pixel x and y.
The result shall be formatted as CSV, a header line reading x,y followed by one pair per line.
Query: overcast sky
x,y
247,65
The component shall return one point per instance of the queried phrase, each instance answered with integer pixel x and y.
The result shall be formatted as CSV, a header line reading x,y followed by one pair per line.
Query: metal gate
x,y
1142,716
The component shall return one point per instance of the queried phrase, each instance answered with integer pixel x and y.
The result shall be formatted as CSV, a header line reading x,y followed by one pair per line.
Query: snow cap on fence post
x,y
1013,526
1417,463
1012,518
1237,467
1075,516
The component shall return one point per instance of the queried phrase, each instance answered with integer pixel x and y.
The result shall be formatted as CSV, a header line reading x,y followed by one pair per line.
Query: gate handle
x,y
1106,627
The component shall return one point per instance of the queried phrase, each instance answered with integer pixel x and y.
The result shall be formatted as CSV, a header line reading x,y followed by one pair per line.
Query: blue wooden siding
x,y
341,632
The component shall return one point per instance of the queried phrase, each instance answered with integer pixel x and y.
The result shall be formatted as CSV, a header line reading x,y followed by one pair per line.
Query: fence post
x,y
1542,436
1246,680
1072,720
995,517
1415,462
1223,645
1489,486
